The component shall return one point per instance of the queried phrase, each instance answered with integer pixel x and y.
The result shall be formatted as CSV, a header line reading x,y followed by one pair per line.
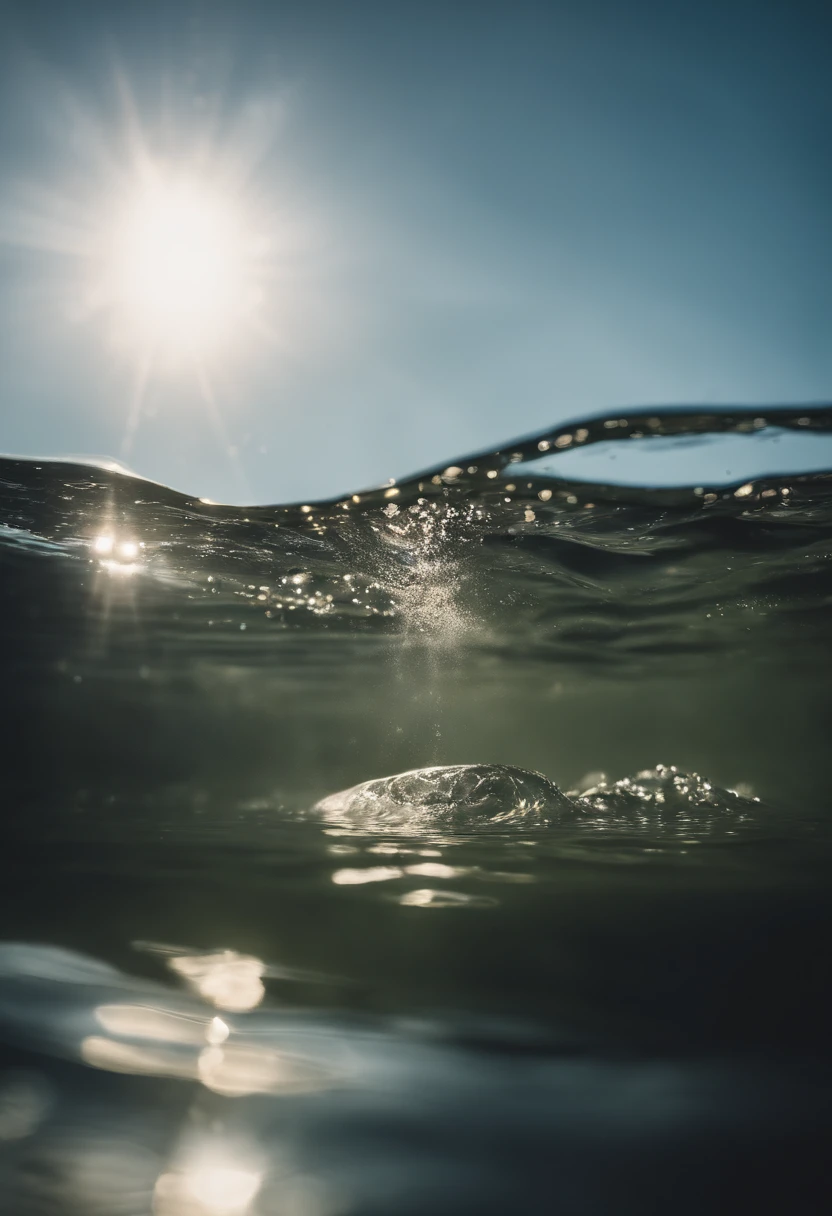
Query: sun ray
x,y
143,373
209,399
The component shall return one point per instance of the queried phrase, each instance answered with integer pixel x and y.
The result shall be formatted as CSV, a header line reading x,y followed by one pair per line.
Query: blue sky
x,y
481,219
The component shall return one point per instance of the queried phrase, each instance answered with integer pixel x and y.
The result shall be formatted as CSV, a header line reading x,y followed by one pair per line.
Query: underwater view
x,y
457,846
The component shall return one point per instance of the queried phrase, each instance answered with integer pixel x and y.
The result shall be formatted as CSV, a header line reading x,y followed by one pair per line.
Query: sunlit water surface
x,y
458,846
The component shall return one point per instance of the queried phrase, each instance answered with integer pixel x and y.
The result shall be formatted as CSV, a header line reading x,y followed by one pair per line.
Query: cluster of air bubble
x,y
496,797
421,564
665,797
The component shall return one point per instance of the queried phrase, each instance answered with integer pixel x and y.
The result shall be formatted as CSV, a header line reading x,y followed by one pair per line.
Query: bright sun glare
x,y
180,277
173,253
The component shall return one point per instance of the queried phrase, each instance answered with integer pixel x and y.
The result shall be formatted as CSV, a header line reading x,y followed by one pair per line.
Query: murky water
x,y
461,845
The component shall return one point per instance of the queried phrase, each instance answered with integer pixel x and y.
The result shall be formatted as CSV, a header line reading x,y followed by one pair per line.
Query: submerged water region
x,y
460,844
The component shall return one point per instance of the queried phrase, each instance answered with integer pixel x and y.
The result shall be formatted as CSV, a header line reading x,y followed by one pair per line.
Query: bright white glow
x,y
122,569
179,277
147,1022
223,1189
226,979
217,1032
205,1186
117,556
351,878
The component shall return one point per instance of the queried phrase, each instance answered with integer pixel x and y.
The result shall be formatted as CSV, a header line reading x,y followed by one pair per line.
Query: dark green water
x,y
224,990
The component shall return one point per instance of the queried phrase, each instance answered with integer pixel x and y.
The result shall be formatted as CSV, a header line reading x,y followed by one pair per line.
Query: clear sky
x,y
450,224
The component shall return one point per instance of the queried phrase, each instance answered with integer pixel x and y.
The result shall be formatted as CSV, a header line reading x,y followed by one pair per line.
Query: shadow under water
x,y
388,767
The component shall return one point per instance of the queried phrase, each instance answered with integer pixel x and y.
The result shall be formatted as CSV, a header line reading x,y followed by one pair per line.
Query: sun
x,y
180,278
178,256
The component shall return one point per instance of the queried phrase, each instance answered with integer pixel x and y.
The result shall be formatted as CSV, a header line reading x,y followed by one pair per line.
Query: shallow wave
x,y
495,553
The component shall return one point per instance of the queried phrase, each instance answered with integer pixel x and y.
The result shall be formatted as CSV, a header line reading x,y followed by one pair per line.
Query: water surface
x,y
461,843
